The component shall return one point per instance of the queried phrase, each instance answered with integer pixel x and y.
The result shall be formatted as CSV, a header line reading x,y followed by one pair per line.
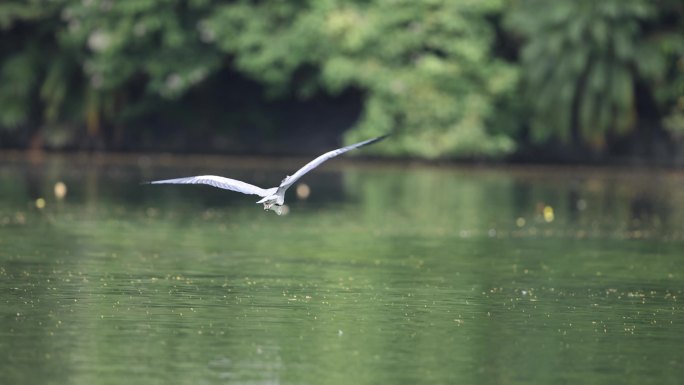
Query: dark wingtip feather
x,y
374,140
382,137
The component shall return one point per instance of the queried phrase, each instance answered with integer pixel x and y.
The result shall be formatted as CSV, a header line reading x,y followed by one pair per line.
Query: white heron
x,y
274,197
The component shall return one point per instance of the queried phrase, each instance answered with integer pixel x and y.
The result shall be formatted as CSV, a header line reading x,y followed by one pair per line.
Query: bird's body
x,y
272,198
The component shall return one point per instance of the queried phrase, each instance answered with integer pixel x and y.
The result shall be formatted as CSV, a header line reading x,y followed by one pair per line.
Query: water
x,y
385,274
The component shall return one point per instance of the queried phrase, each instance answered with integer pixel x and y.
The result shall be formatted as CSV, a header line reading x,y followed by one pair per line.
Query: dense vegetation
x,y
462,78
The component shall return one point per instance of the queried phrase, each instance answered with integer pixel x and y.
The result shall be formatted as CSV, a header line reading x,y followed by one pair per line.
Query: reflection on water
x,y
381,274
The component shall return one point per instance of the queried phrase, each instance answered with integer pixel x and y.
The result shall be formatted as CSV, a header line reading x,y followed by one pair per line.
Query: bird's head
x,y
273,206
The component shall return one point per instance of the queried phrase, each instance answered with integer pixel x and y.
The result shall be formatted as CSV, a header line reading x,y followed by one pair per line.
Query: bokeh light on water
x,y
383,274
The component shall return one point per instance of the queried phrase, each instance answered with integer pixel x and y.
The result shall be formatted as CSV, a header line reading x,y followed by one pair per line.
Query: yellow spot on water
x,y
60,190
303,191
548,213
40,203
20,218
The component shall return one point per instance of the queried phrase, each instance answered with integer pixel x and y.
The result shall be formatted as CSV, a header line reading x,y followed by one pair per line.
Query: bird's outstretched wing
x,y
217,181
287,182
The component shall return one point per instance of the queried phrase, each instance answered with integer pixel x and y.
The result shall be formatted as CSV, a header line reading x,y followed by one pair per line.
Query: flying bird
x,y
272,198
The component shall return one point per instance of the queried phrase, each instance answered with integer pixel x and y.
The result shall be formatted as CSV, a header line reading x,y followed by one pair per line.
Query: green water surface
x,y
386,274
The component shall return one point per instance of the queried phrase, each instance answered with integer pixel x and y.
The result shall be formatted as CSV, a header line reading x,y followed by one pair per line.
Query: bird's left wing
x,y
217,181
287,182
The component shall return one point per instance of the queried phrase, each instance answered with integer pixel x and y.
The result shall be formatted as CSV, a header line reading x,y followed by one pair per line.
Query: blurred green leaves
x,y
154,41
582,62
19,80
432,72
21,60
425,68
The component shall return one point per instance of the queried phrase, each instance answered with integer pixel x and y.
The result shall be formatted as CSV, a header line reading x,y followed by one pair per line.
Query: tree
x,y
425,68
30,67
92,64
668,36
429,71
581,63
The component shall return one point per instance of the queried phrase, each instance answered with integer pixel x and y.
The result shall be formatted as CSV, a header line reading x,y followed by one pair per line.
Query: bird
x,y
272,198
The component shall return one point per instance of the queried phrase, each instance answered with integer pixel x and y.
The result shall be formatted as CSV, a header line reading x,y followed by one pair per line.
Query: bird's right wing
x,y
287,182
217,181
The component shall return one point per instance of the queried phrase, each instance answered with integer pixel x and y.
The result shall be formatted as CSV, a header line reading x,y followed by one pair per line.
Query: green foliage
x,y
669,41
18,78
158,40
425,67
428,70
77,70
22,62
18,11
580,63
